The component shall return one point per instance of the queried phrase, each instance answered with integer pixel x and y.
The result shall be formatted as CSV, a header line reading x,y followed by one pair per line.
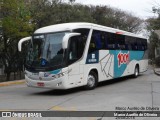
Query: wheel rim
x,y
91,81
136,72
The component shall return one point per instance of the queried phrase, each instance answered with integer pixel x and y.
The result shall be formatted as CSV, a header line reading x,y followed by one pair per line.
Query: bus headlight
x,y
60,74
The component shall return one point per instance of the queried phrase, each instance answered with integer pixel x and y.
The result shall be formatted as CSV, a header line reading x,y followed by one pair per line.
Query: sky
x,y
139,8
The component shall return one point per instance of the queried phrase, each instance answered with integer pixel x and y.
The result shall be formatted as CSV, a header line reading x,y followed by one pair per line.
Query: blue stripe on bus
x,y
133,55
55,71
93,58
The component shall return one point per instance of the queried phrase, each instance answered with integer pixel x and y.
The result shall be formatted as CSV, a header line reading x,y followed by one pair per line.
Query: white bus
x,y
70,55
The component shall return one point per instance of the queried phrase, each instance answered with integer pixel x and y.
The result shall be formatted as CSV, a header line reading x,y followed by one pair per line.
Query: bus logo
x,y
123,58
93,56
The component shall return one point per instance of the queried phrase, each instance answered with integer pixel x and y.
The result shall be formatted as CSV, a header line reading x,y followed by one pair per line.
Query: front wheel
x,y
92,81
136,71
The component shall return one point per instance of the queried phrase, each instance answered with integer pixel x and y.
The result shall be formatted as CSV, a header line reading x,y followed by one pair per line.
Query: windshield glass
x,y
46,50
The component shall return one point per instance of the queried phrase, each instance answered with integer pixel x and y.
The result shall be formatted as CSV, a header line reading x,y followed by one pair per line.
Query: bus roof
x,y
76,25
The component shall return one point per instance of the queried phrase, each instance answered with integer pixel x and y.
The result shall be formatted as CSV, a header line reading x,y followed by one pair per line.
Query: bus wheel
x,y
136,71
92,81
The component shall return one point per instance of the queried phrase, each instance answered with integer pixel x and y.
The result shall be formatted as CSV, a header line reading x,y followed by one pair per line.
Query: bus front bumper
x,y
58,83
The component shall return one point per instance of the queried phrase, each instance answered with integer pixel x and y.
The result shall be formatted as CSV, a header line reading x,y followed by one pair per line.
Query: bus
x,y
69,55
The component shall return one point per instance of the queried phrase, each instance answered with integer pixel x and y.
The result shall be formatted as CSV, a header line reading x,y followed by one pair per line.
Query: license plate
x,y
40,84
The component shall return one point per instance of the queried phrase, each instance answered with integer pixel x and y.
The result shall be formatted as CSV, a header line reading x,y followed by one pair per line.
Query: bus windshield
x,y
46,50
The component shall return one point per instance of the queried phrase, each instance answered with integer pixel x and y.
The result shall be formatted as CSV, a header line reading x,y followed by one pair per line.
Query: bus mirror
x,y
66,38
21,41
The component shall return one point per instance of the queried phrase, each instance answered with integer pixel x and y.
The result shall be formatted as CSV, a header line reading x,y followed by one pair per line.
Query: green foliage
x,y
47,13
153,43
15,25
116,18
153,24
16,18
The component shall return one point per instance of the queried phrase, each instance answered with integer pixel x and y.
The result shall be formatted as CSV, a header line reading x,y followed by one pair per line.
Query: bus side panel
x,y
103,62
121,59
75,75
114,63
144,63
136,57
106,63
125,61
130,68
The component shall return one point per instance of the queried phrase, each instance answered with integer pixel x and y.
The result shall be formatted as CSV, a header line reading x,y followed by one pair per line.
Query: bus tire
x,y
136,71
92,81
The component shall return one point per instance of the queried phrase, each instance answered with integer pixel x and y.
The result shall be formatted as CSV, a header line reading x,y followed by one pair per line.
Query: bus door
x,y
76,48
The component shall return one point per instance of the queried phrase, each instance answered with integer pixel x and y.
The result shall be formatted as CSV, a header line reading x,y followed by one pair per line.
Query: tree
x,y
116,18
153,43
45,13
15,25
152,25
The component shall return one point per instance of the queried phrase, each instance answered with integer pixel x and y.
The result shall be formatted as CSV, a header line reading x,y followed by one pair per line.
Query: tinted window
x,y
105,40
135,43
110,41
77,45
120,42
97,41
142,44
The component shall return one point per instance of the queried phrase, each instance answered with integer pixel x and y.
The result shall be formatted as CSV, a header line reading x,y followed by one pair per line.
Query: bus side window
x,y
76,47
103,40
120,42
142,44
139,42
131,43
73,49
110,41
97,41
145,44
135,44
127,43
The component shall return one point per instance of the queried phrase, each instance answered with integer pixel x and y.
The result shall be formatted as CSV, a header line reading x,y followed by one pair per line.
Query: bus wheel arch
x,y
136,70
92,79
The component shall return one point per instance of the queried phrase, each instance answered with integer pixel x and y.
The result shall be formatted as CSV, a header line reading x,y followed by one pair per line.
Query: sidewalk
x,y
2,84
157,71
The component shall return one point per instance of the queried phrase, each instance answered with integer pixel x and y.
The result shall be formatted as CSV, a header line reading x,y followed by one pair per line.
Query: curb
x,y
156,72
2,84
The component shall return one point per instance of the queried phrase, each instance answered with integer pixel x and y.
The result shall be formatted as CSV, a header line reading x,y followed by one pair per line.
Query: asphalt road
x,y
143,91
